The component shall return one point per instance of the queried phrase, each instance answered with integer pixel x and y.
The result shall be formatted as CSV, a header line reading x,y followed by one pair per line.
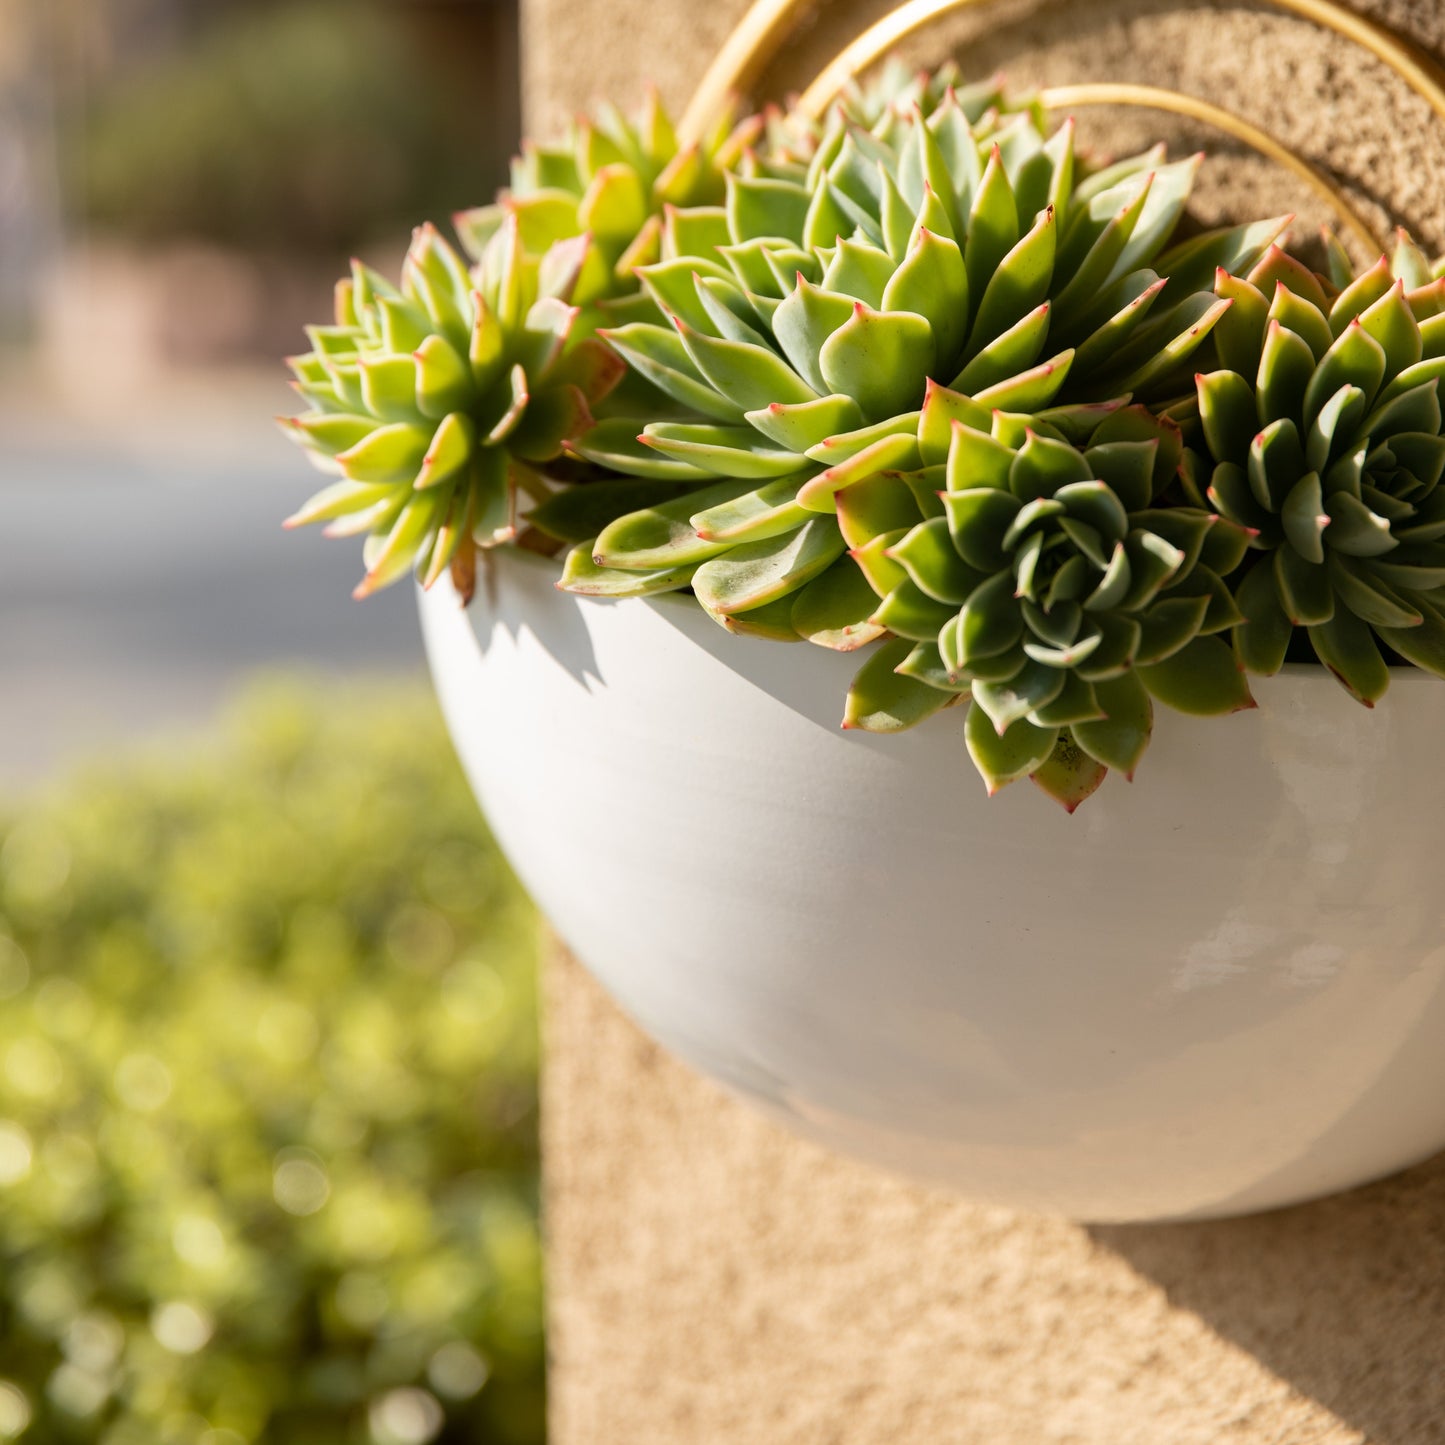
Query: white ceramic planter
x,y
1221,989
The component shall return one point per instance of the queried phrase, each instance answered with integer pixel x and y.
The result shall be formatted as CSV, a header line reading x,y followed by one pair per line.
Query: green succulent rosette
x,y
610,180
1048,584
1321,432
436,404
809,317
899,89
884,104
613,178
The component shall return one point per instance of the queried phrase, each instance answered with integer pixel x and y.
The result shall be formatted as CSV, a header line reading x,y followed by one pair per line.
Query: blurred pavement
x,y
144,573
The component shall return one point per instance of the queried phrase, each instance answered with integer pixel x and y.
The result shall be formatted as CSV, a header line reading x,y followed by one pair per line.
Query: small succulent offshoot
x,y
611,179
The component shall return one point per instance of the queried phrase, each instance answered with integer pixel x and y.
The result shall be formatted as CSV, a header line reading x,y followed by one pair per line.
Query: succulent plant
x,y
900,88
610,180
613,178
436,403
913,377
808,319
1321,432
1045,584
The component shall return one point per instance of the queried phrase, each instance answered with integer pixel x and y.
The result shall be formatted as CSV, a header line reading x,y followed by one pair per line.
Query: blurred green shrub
x,y
267,1098
311,124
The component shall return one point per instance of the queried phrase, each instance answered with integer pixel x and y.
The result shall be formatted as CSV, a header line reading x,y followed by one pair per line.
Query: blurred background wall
x,y
186,176
180,183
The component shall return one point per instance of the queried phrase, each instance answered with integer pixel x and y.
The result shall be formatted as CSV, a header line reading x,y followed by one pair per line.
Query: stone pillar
x,y
712,1279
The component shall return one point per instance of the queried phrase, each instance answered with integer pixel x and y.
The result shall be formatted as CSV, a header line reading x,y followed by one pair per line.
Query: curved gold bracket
x,y
1071,97
763,29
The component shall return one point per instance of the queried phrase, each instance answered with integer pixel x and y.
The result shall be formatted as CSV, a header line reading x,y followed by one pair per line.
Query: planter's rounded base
x,y
1219,990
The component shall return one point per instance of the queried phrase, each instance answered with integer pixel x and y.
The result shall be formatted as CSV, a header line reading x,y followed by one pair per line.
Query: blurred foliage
x,y
313,124
267,1098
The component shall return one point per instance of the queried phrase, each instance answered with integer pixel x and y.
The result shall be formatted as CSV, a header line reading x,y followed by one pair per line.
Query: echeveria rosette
x,y
437,403
1321,431
611,179
810,318
1048,586
897,88
883,104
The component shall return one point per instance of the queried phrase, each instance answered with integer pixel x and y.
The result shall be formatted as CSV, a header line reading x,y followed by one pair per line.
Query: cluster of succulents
x,y
924,381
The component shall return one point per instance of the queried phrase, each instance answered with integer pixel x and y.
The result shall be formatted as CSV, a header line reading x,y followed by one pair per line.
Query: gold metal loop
x,y
765,26
1072,97
1418,72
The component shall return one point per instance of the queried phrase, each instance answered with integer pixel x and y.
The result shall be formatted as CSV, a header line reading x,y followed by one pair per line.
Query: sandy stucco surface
x,y
716,1282
713,1281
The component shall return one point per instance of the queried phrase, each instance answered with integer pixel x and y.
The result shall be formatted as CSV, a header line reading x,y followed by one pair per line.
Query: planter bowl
x,y
1214,991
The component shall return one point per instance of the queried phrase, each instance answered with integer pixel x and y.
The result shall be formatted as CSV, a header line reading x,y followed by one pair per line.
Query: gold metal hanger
x,y
746,52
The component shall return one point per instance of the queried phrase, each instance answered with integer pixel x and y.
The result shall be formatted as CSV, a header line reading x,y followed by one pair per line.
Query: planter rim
x,y
514,556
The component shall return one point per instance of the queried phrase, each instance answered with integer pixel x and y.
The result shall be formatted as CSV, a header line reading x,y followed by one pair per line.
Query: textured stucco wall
x,y
714,1280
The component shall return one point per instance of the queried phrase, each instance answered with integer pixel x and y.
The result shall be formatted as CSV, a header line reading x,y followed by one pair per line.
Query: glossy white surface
x,y
1218,990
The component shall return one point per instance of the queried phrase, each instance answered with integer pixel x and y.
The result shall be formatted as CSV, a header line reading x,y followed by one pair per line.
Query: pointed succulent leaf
x,y
879,504
1278,268
1201,679
910,612
1008,354
879,358
659,355
991,621
805,320
881,700
757,573
1018,284
1119,739
752,376
1228,414
1347,646
661,537
1423,645
613,444
1286,367
767,512
1193,264
449,452
925,664
929,557
1070,776
720,451
834,609
1368,595
1006,703
1001,760
1032,390
931,281
979,519
1360,294
1239,336
582,574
